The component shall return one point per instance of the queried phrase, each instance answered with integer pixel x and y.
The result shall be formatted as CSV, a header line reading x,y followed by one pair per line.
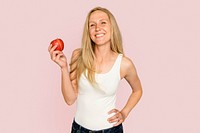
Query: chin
x,y
101,42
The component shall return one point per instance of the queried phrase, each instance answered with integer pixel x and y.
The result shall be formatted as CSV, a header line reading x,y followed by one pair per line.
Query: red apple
x,y
59,43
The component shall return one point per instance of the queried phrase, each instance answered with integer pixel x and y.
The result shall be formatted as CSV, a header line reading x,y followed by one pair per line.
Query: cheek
x,y
109,32
108,29
91,32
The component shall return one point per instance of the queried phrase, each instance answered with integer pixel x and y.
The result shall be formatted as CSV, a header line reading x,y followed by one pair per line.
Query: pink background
x,y
162,37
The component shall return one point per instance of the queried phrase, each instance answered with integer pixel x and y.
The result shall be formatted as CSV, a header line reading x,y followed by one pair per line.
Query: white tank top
x,y
93,104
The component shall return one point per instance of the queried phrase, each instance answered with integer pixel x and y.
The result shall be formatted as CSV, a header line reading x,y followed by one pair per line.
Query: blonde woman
x,y
95,72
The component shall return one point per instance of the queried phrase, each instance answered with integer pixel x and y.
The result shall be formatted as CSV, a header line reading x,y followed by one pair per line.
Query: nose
x,y
97,28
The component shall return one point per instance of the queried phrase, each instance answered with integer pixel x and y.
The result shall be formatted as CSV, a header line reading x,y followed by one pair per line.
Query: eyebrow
x,y
99,20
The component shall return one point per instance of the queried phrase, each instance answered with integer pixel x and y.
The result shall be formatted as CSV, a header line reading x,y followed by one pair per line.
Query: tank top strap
x,y
116,67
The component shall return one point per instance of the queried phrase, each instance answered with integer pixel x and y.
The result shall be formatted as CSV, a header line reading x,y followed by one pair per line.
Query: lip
x,y
99,35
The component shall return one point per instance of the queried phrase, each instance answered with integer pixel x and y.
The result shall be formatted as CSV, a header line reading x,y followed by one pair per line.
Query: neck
x,y
103,52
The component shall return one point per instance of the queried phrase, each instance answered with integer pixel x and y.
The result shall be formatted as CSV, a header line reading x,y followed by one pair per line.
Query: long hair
x,y
86,56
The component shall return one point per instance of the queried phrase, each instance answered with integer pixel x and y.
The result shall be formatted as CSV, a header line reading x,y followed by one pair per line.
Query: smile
x,y
99,35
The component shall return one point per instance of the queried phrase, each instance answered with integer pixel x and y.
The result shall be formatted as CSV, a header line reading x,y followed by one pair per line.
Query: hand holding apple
x,y
55,51
59,43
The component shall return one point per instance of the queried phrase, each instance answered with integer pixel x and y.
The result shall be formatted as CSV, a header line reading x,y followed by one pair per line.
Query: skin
x,y
100,31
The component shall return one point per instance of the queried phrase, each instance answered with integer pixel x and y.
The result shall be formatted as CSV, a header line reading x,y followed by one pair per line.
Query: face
x,y
99,28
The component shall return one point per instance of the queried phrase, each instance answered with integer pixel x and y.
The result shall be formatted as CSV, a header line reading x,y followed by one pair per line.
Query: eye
x,y
91,25
103,22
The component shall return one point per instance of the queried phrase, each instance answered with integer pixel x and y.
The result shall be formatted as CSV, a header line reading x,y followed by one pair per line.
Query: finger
x,y
54,55
114,117
113,120
118,115
118,123
51,49
59,55
113,111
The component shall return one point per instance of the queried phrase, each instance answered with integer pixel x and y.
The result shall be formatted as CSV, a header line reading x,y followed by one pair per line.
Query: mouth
x,y
99,35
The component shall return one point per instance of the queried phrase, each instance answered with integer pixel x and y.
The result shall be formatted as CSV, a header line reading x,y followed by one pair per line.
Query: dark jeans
x,y
76,128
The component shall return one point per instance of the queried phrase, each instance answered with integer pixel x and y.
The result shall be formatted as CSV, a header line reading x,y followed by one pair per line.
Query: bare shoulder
x,y
127,63
127,67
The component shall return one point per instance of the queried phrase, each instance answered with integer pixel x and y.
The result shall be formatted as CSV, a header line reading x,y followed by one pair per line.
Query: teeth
x,y
99,35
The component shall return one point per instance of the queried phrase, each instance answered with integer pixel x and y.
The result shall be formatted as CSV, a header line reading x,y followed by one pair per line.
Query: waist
x,y
80,128
94,120
93,113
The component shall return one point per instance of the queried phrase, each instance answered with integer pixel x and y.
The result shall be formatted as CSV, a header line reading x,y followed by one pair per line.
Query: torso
x,y
93,103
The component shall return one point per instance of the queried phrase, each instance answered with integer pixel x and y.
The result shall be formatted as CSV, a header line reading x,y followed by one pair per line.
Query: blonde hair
x,y
85,59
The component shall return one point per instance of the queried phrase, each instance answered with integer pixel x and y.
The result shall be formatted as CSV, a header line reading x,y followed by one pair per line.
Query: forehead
x,y
98,15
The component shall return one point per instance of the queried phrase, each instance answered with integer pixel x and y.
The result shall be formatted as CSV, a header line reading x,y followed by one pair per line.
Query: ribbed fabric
x,y
94,103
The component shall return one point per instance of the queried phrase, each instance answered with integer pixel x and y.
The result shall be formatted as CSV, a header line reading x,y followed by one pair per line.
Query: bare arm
x,y
130,74
128,71
67,86
69,80
68,91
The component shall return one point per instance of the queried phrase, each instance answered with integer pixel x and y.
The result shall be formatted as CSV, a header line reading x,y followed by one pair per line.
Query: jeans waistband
x,y
76,126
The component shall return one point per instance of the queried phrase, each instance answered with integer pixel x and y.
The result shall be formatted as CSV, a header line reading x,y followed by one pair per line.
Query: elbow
x,y
69,99
69,102
139,93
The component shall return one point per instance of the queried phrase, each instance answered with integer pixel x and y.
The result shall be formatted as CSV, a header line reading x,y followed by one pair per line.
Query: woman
x,y
95,72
